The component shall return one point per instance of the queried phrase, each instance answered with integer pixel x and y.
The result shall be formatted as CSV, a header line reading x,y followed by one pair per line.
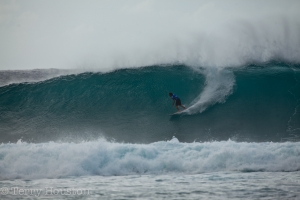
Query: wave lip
x,y
53,160
8,77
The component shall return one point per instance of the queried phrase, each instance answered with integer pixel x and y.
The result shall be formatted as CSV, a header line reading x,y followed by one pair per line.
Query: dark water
x,y
132,105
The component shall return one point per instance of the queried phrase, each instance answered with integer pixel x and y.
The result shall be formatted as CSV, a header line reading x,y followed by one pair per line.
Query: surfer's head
x,y
170,94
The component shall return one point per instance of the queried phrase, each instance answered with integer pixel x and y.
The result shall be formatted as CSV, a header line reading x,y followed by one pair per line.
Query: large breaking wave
x,y
255,103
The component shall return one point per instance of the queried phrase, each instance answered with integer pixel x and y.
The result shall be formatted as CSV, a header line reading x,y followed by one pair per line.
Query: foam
x,y
8,77
218,86
145,33
54,160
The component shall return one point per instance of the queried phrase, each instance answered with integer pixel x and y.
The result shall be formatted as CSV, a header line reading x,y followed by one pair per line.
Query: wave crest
x,y
52,160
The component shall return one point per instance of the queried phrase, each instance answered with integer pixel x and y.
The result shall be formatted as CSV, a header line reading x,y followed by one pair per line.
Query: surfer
x,y
176,100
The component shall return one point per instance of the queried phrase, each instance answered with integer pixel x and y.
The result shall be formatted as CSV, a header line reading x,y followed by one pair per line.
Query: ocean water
x,y
254,104
110,136
85,111
218,185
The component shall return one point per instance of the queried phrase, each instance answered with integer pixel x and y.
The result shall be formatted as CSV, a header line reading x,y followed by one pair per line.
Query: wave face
x,y
56,160
253,103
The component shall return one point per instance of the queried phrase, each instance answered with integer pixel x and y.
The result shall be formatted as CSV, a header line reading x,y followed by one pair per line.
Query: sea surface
x,y
85,111
110,135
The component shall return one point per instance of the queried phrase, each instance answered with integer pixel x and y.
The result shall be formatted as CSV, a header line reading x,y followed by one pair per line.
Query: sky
x,y
111,34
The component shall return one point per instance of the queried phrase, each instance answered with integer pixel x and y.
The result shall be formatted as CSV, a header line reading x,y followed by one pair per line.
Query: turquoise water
x,y
85,111
110,136
254,103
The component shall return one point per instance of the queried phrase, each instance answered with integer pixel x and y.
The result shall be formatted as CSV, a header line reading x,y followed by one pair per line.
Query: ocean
x,y
85,111
110,135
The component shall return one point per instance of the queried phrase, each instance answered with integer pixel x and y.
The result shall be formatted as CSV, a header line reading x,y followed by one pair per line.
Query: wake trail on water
x,y
219,84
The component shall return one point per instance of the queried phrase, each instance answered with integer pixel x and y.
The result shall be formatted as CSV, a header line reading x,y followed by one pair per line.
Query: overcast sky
x,y
100,34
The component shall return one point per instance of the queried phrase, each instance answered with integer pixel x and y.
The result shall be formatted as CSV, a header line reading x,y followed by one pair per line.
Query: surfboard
x,y
177,113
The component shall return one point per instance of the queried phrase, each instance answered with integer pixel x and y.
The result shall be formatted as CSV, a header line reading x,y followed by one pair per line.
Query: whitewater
x,y
85,112
59,160
109,170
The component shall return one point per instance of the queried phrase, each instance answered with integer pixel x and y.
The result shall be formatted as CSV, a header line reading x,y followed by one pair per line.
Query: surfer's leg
x,y
177,108
178,103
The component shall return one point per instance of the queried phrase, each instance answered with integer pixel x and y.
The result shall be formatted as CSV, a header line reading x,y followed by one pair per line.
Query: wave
x,y
57,160
256,103
8,77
